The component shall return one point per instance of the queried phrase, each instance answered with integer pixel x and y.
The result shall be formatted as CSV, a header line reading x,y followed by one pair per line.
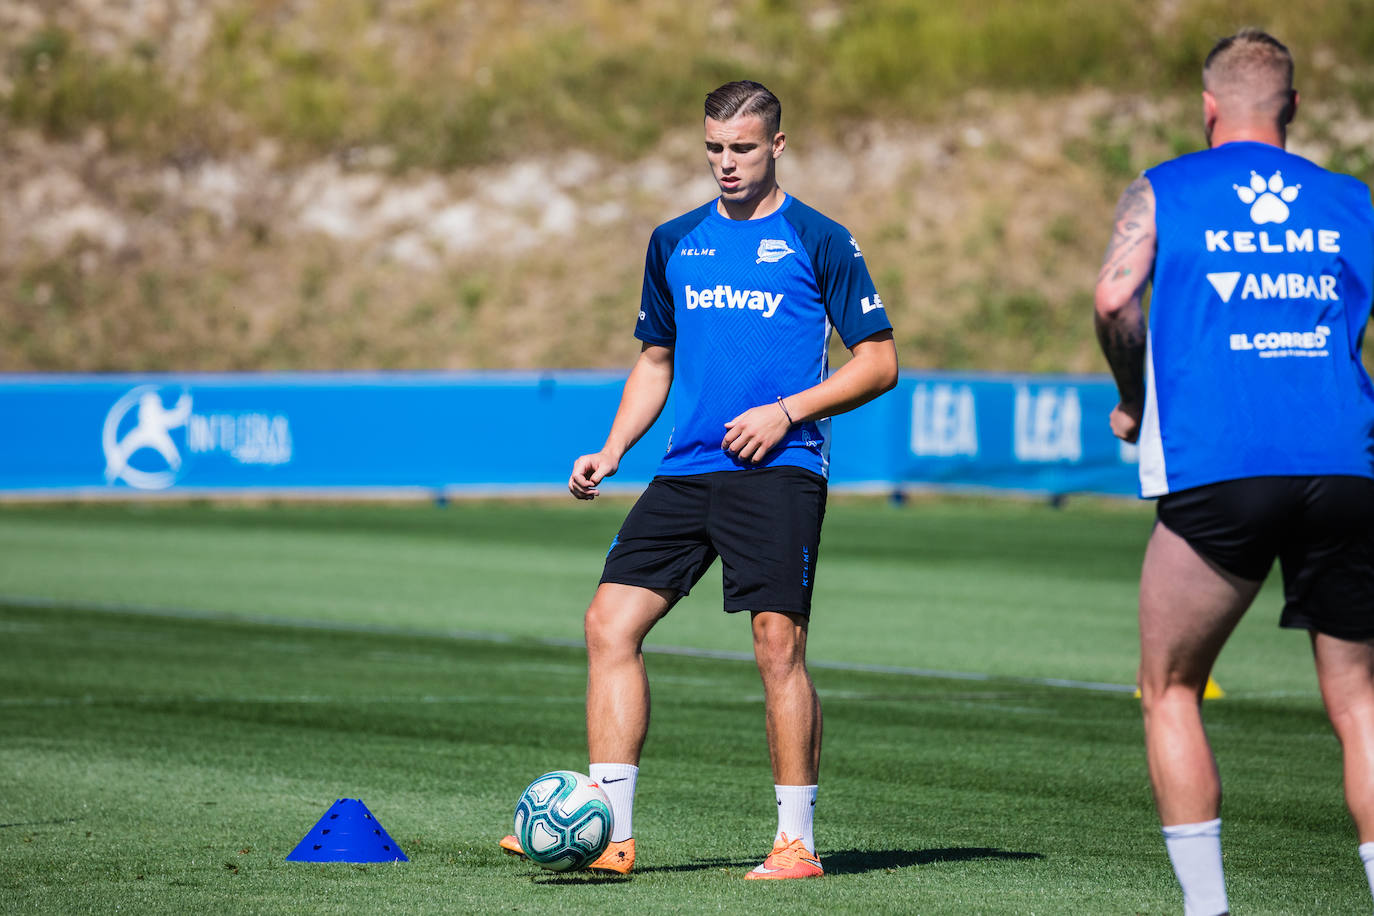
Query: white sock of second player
x,y
1195,851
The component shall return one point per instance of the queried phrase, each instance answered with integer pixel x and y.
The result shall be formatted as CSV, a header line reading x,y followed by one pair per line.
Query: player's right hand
x,y
588,471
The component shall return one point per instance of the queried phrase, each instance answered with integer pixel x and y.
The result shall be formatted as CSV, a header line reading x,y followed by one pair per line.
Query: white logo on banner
x,y
247,438
151,431
944,421
1048,425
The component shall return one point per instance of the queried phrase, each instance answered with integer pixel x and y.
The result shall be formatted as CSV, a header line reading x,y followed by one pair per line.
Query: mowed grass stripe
x,y
1009,589
188,614
183,782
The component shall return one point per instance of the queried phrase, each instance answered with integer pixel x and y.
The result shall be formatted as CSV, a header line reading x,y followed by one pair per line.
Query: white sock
x,y
1195,851
796,805
1367,857
618,780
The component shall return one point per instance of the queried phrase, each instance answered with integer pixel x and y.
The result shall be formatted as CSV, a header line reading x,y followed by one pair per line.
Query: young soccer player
x,y
739,300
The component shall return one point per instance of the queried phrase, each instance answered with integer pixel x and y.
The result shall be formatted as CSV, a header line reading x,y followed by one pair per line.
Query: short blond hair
x,y
1251,71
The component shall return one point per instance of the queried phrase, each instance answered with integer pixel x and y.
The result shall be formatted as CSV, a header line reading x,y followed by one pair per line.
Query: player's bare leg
x,y
792,709
618,619
1345,671
1188,607
793,722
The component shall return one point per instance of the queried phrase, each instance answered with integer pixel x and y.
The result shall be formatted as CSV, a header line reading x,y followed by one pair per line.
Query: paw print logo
x,y
1268,200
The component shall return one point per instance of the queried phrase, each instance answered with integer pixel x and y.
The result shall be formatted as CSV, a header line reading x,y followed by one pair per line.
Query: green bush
x,y
62,88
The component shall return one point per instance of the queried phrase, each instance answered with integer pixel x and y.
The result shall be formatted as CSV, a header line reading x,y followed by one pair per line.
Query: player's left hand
x,y
1125,421
752,435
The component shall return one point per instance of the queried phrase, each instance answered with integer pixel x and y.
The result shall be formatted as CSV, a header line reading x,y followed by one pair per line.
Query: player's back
x,y
1262,287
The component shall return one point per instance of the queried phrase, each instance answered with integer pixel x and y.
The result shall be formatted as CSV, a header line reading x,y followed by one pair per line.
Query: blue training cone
x,y
347,833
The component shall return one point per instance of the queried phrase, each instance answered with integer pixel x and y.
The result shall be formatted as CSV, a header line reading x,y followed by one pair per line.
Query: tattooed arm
x,y
1119,316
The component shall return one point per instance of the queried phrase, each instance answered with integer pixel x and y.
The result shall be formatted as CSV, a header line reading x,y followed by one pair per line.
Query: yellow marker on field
x,y
1212,691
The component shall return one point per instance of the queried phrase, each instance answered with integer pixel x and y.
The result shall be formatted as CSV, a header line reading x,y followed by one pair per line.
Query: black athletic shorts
x,y
1320,528
764,524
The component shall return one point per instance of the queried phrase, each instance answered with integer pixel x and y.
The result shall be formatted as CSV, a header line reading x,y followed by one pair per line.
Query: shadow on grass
x,y
582,878
858,861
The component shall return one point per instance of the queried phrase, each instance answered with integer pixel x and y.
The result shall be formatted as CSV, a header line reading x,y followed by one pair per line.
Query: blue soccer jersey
x,y
1262,285
748,307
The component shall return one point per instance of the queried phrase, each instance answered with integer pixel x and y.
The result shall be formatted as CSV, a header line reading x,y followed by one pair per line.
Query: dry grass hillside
x,y
264,184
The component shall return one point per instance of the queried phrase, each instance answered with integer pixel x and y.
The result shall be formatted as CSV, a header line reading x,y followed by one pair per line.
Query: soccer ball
x,y
563,820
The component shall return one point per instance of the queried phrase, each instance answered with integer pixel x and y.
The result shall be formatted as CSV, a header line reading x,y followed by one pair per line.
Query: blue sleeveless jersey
x,y
748,307
1262,284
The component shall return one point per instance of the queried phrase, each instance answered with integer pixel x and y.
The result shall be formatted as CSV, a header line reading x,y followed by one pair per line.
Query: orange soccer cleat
x,y
789,859
618,858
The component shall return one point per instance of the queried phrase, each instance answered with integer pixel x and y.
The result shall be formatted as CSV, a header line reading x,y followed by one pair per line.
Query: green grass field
x,y
186,689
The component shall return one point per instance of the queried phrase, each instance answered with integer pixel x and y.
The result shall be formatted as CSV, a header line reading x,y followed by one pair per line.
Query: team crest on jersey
x,y
772,251
1268,200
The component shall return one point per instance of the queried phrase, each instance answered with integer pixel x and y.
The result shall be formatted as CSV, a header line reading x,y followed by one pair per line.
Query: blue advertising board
x,y
449,433
1033,433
